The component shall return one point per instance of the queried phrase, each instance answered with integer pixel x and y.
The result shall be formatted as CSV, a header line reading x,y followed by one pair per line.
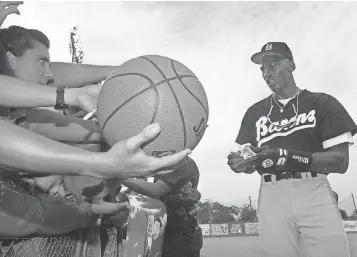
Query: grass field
x,y
248,246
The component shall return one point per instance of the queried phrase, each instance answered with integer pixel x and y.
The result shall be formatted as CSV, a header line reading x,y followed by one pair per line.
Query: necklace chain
x,y
296,110
278,104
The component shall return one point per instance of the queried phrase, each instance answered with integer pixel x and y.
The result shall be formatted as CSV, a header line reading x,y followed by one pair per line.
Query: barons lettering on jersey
x,y
267,131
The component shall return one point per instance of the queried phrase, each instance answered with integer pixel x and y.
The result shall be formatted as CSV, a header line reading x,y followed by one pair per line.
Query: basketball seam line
x,y
157,104
157,83
129,99
183,84
152,86
175,96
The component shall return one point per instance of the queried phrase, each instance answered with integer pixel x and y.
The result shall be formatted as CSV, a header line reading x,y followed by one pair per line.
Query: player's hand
x,y
237,163
266,157
84,97
126,159
7,8
110,208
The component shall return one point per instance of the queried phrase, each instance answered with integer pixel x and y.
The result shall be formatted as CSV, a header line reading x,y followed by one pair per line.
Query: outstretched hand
x,y
240,165
237,163
88,97
266,157
7,8
85,98
107,208
127,158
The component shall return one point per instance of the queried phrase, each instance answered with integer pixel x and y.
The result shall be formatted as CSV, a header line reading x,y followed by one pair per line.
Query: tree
x,y
223,214
75,46
248,214
77,53
219,213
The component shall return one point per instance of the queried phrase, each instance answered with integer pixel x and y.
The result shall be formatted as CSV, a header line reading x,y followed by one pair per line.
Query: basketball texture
x,y
153,89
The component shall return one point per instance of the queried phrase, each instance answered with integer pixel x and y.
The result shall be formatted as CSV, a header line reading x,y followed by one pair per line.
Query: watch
x,y
60,104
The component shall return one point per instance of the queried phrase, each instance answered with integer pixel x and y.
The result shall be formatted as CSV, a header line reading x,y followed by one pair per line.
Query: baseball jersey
x,y
320,118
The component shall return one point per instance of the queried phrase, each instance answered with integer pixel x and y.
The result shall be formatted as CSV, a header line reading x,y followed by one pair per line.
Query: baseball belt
x,y
288,175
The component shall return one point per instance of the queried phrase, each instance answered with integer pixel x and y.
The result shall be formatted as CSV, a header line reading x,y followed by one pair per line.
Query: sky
x,y
216,40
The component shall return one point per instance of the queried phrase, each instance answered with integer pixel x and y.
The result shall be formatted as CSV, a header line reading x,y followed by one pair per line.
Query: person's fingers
x,y
172,168
122,207
236,170
109,208
170,162
236,167
163,172
258,149
246,169
147,134
120,216
10,10
4,4
94,89
234,161
234,156
88,103
241,164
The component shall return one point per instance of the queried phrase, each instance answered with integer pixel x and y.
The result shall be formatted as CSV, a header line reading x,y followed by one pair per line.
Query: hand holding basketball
x,y
128,156
88,97
84,97
154,89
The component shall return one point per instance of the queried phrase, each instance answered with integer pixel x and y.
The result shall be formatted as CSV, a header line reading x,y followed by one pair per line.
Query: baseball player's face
x,y
275,71
34,65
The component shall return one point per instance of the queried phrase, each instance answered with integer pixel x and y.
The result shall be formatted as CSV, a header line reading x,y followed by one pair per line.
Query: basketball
x,y
153,89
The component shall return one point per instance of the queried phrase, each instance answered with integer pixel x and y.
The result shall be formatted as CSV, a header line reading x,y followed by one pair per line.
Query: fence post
x,y
210,216
354,203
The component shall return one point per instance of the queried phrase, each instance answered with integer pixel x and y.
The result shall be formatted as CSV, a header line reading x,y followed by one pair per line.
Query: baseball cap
x,y
279,48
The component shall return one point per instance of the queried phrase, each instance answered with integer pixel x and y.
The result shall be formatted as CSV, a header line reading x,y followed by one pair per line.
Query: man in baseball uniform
x,y
298,137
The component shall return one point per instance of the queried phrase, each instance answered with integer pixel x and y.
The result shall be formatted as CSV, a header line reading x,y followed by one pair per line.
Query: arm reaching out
x,y
22,150
63,128
19,93
7,8
78,75
153,190
334,160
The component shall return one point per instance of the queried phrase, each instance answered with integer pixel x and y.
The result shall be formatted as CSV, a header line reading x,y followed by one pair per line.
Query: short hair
x,y
17,40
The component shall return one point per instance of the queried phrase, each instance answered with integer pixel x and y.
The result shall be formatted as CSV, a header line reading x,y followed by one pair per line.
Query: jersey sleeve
x,y
247,129
334,119
344,138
